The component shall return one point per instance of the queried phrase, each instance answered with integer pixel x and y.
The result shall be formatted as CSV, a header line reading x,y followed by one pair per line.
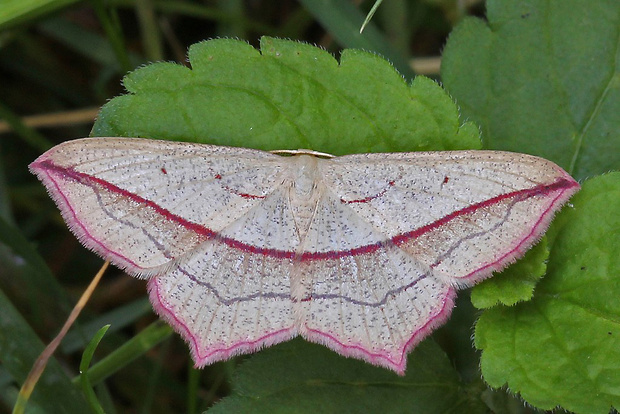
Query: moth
x,y
243,249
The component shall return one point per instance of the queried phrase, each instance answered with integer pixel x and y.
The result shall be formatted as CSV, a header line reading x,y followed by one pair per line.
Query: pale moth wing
x,y
244,249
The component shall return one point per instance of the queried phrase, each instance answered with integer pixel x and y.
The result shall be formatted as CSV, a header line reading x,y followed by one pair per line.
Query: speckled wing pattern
x,y
244,249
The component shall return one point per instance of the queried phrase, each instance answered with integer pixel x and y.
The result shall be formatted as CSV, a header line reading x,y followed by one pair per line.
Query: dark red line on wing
x,y
244,195
520,195
89,180
369,198
562,183
207,233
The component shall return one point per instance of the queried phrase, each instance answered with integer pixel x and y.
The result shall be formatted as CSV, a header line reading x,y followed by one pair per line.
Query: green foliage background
x,y
537,76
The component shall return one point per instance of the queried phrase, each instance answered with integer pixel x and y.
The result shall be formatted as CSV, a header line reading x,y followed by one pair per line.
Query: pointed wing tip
x,y
39,168
565,184
565,187
43,168
570,183
47,160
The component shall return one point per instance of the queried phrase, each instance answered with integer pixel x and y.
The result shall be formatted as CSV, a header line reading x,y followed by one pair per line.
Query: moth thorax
x,y
305,179
304,193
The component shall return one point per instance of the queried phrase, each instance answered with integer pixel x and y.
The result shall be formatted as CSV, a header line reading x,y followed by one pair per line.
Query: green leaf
x,y
16,12
19,348
87,356
19,344
288,95
25,275
516,283
563,347
542,77
132,349
299,377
